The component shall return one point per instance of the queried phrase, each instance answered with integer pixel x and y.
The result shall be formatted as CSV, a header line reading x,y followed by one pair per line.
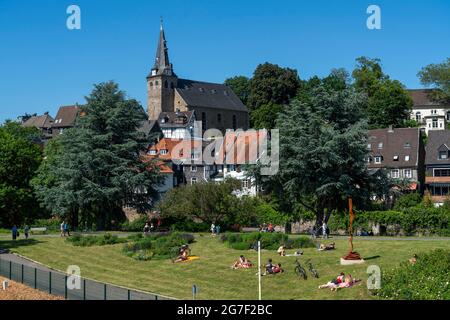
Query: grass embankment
x,y
212,273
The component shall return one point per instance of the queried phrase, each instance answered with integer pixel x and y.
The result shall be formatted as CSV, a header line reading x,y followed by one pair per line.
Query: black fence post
x,y
129,294
65,287
105,291
35,278
22,273
50,282
84,289
10,270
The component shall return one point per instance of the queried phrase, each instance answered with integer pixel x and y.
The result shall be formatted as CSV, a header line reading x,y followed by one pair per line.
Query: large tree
x,y
240,86
19,159
438,76
97,167
323,143
272,84
388,101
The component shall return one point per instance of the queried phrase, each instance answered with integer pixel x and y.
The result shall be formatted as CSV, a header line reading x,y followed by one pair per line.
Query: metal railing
x,y
55,283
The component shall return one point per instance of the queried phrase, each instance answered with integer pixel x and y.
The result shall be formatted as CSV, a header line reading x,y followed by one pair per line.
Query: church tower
x,y
161,82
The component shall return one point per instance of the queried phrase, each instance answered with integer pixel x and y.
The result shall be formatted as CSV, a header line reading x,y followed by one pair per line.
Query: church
x,y
174,102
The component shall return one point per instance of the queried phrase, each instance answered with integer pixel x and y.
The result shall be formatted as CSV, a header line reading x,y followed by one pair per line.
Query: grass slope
x,y
212,273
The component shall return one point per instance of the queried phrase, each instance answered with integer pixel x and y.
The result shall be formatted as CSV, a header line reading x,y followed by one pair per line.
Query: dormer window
x,y
443,155
407,145
152,152
377,159
406,158
380,145
163,151
396,158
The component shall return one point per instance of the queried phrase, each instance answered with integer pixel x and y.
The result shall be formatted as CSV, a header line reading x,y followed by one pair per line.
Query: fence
x,y
55,283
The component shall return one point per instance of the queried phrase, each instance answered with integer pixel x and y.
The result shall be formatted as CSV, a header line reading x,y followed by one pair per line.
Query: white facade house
x,y
234,171
429,114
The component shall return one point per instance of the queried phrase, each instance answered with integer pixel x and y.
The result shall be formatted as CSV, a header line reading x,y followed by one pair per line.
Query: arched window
x,y
171,85
166,84
156,83
418,116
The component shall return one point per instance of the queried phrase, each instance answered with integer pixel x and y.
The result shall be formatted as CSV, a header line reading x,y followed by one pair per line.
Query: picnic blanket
x,y
294,254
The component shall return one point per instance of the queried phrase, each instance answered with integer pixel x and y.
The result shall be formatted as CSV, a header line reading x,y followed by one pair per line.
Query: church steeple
x,y
162,64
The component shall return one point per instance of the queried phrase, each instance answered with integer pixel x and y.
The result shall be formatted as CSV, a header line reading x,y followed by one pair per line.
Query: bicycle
x,y
312,269
299,270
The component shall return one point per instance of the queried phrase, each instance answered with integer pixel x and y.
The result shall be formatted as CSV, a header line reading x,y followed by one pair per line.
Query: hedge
x,y
410,220
270,241
427,279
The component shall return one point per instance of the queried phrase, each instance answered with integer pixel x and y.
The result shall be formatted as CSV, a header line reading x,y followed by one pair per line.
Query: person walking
x,y
66,229
63,234
26,231
217,230
15,233
324,230
213,229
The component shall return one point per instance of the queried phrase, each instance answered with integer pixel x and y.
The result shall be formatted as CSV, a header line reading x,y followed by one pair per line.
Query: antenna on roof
x,y
161,19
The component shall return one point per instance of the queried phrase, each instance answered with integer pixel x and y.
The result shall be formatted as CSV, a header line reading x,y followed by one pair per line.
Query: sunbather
x,y
183,254
243,262
281,251
330,246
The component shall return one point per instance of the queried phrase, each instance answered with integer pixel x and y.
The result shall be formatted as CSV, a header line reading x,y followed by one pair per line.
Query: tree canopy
x,y
96,168
438,76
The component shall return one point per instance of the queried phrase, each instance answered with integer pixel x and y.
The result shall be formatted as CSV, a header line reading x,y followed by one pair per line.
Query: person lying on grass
x,y
183,254
242,263
340,282
330,246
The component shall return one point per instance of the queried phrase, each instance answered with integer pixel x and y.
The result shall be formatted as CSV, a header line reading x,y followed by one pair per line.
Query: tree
x,y
98,168
19,160
265,116
388,102
272,84
240,86
323,144
206,202
438,76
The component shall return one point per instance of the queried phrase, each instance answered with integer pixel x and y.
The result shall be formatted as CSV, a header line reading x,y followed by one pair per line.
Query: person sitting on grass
x,y
413,260
243,262
272,269
277,269
330,246
281,251
183,254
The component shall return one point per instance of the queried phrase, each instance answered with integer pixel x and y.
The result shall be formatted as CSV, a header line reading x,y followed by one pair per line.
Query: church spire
x,y
162,64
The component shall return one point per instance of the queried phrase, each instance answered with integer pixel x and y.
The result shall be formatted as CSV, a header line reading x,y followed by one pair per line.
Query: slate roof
x,y
66,117
399,142
169,119
148,126
421,98
209,95
44,121
437,139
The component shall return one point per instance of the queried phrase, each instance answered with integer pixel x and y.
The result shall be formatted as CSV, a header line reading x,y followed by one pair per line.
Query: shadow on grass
x,y
10,244
372,258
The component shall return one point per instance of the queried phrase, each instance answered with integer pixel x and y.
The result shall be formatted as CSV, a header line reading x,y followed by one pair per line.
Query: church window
x,y
234,122
166,84
204,120
171,85
219,118
156,83
151,84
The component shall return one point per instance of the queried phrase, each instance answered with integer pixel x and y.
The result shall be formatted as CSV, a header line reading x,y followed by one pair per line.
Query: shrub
x,y
426,279
89,241
408,200
269,241
158,245
51,224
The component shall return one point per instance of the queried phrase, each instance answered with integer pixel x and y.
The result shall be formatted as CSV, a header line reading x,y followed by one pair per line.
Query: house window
x,y
193,180
395,173
245,184
407,145
407,173
396,158
152,152
204,120
447,115
193,168
435,123
380,145
418,116
443,155
157,83
234,122
163,151
442,172
378,159
406,158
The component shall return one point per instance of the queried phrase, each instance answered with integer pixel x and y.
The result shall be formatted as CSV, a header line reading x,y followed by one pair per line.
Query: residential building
x,y
44,123
437,165
214,104
65,119
430,115
178,124
400,152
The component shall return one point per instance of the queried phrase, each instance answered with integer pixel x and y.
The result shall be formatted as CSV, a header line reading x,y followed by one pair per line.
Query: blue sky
x,y
43,65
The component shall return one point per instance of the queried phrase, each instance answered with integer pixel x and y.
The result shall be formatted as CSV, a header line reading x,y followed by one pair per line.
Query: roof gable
x,y
66,116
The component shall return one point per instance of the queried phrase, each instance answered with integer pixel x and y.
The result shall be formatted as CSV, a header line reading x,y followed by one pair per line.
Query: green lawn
x,y
212,273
